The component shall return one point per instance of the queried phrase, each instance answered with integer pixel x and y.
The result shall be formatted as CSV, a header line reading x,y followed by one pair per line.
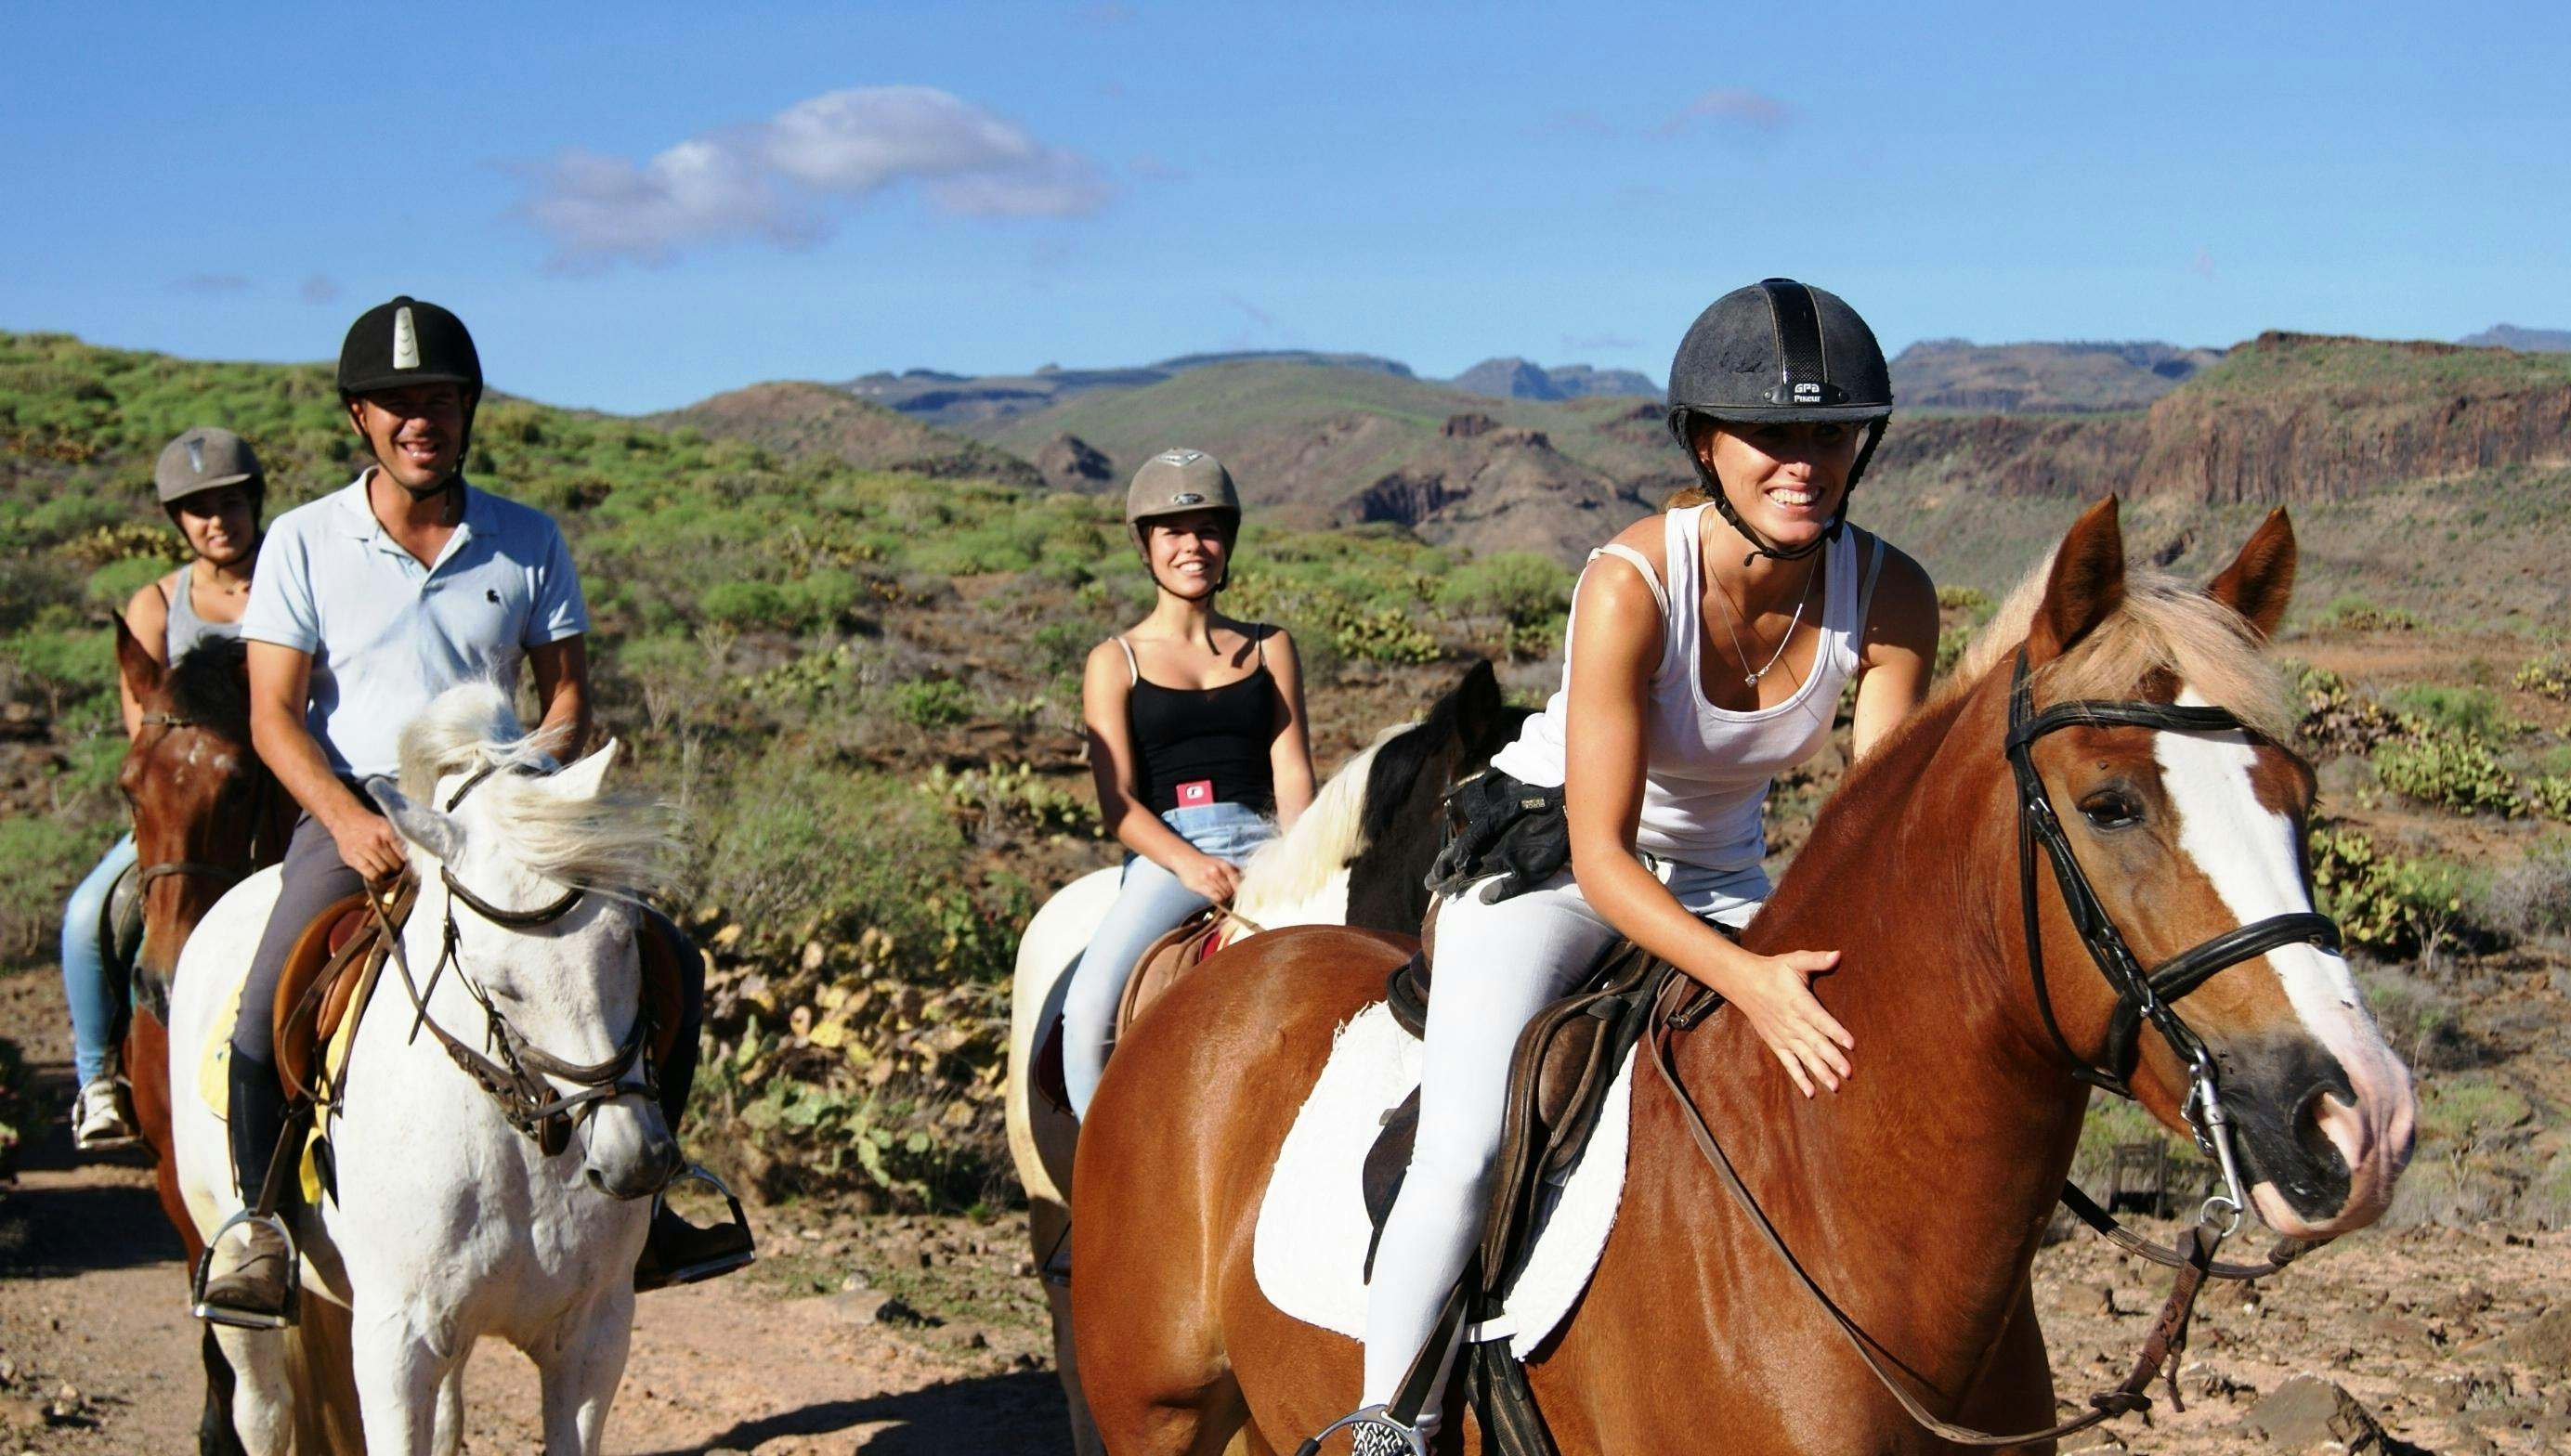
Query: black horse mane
x,y
1472,715
211,685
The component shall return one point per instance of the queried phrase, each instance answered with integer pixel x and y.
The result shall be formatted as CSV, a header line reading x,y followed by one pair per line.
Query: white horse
x,y
1355,857
446,1225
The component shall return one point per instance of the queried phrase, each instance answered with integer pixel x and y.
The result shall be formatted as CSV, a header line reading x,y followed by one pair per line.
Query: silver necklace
x,y
1749,674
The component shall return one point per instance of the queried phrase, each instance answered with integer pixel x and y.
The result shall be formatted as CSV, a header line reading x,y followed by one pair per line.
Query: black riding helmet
x,y
1779,352
404,342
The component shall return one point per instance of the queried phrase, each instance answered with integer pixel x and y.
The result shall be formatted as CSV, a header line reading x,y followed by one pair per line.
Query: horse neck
x,y
1952,1137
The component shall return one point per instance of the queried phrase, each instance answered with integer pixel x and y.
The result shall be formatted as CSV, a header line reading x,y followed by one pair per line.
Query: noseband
x,y
2141,996
517,1080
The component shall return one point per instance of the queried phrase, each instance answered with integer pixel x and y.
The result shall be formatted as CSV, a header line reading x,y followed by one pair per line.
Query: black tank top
x,y
1221,735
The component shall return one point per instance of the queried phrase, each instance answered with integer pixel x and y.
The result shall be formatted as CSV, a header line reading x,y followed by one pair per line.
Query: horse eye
x,y
2111,809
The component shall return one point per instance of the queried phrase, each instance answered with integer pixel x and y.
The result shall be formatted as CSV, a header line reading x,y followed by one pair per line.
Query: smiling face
x,y
1188,551
416,432
1786,480
222,525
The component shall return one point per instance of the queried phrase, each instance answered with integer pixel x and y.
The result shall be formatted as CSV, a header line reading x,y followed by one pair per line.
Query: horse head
x,y
531,876
1399,821
205,812
2188,830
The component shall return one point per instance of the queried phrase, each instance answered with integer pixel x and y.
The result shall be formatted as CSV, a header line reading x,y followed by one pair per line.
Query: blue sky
x,y
638,205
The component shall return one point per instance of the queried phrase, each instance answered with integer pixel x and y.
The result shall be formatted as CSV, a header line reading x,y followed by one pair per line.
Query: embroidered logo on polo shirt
x,y
493,592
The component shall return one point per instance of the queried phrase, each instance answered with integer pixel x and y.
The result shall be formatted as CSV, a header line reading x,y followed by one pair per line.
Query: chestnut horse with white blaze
x,y
1916,1195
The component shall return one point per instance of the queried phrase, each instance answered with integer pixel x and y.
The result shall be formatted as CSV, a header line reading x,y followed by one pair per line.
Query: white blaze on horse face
x,y
2248,853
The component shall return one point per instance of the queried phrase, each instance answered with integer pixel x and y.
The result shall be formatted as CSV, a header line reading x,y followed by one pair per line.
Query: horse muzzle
x,y
630,1152
2322,1136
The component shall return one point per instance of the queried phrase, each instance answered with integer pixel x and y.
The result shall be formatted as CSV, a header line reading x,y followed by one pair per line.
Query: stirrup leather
x,y
1376,1432
238,1319
723,1265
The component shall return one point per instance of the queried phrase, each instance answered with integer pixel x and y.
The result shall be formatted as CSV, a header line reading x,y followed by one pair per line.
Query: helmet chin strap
x,y
1760,544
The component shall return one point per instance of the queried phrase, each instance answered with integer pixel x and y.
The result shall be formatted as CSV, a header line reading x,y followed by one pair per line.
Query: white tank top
x,y
1707,768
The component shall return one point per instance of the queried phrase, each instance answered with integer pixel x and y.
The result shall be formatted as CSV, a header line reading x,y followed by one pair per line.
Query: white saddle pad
x,y
1310,1247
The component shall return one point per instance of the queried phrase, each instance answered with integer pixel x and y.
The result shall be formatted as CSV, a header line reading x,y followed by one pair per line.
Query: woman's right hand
x,y
1211,877
1778,998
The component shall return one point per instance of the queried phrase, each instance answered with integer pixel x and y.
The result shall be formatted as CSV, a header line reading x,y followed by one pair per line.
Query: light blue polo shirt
x,y
386,634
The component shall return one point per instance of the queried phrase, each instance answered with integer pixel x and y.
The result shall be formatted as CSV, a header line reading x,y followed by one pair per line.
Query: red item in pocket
x,y
1195,793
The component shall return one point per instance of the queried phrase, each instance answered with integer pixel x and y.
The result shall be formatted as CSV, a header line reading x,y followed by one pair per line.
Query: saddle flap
x,y
322,947
1173,955
662,999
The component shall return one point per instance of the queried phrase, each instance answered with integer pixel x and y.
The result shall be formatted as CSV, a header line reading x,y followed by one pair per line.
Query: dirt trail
x,y
807,1355
93,1297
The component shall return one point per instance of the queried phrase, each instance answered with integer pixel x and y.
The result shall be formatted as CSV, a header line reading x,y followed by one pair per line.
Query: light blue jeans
x,y
1150,904
86,985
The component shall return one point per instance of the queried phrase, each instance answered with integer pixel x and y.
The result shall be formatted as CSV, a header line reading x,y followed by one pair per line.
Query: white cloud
x,y
1735,108
775,180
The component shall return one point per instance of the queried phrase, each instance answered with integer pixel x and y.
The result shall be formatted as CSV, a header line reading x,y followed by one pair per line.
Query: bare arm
x,y
1898,652
1106,692
1289,754
562,690
1615,646
147,615
280,683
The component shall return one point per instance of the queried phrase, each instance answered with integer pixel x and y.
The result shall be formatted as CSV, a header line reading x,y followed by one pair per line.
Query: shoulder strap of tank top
x,y
1866,594
162,585
1260,642
1133,668
1640,562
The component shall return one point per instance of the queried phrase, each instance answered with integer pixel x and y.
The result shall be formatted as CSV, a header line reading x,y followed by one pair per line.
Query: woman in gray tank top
x,y
1704,656
211,484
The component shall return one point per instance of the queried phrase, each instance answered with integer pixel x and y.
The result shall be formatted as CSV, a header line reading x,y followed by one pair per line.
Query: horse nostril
x,y
2312,1134
597,1181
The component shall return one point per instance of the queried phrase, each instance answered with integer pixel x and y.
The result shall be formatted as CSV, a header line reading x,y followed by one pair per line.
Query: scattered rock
x,y
1466,427
2088,1299
2544,1343
898,1312
2308,1410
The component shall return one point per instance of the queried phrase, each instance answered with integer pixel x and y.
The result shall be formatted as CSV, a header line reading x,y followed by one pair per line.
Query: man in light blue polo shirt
x,y
367,603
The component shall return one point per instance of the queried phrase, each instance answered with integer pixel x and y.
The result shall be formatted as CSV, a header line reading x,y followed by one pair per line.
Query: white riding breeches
x,y
1496,967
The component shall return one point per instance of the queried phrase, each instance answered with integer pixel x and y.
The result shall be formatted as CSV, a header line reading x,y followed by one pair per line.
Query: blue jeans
x,y
95,999
1150,904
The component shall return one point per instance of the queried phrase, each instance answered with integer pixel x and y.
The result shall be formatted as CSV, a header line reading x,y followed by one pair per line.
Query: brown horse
x,y
1916,1194
206,815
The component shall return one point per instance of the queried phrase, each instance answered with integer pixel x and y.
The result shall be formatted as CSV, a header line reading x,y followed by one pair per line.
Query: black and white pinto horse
x,y
1359,856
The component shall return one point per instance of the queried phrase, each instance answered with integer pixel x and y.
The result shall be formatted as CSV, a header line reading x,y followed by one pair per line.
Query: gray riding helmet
x,y
1173,483
1779,352
206,458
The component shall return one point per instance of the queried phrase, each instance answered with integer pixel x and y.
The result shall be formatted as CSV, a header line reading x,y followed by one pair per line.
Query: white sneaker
x,y
99,1118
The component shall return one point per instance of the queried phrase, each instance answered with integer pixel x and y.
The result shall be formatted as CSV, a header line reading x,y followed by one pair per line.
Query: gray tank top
x,y
186,629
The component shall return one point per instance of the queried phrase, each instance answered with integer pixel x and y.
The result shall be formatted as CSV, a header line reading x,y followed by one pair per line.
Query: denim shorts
x,y
1227,832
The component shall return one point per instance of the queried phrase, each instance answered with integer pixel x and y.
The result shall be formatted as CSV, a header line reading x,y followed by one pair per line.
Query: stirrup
x,y
1366,1420
198,1304
721,1264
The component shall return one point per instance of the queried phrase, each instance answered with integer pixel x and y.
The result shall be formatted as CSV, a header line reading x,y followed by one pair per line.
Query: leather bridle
x,y
517,1080
225,873
2141,996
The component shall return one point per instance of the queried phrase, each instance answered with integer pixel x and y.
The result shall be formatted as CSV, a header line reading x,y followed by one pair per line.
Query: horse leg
x,y
446,1437
400,1373
214,1433
2015,1392
261,1398
318,1361
580,1370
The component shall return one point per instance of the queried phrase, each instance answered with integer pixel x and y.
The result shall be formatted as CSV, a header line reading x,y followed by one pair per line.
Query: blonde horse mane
x,y
2164,624
618,842
1298,864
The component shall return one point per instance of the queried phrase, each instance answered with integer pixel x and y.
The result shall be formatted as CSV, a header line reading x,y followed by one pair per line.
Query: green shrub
x,y
2456,770
1529,595
2357,614
2531,899
113,585
42,857
2384,902
2549,796
2472,711
749,605
931,703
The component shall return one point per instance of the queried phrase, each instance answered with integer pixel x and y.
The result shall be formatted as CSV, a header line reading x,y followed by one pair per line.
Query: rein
x,y
2140,997
516,1081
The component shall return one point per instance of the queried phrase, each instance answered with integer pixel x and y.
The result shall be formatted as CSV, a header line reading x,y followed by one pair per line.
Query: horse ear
x,y
581,780
142,674
2087,583
1477,704
418,824
2260,579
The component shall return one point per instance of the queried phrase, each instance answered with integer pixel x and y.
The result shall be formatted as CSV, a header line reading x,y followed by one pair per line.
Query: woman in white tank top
x,y
1708,650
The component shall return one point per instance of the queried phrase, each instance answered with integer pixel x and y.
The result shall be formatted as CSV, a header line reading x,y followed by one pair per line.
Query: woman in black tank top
x,y
1197,740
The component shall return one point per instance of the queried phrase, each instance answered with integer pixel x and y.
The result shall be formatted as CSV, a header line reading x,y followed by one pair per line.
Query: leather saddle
x,y
336,959
1162,963
1566,1060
